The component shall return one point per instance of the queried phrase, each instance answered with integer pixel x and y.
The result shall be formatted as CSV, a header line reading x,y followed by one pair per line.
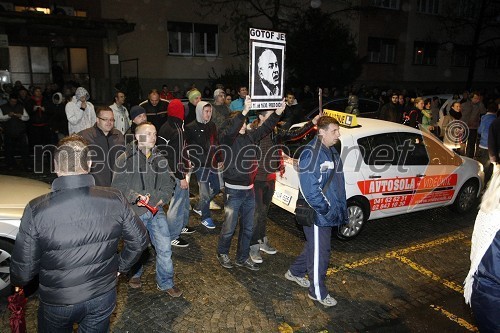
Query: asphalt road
x,y
401,274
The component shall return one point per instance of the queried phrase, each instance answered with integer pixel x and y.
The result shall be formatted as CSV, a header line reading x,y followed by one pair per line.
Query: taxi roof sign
x,y
345,119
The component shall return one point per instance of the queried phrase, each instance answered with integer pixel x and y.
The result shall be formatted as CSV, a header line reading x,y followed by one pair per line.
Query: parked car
x,y
392,169
368,108
15,193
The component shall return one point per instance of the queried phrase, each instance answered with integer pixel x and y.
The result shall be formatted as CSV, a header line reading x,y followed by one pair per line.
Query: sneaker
x,y
135,283
301,281
187,230
224,260
266,247
173,292
197,210
248,264
327,301
209,223
214,206
255,255
179,242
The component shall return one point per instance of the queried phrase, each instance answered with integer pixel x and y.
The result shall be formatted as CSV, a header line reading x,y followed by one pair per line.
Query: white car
x,y
15,193
391,169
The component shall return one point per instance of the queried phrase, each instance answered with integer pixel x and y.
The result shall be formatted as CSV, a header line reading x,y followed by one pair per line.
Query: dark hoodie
x,y
202,139
172,142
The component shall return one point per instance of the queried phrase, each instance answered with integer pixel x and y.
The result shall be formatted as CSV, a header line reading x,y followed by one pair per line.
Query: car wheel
x,y
357,218
6,247
466,197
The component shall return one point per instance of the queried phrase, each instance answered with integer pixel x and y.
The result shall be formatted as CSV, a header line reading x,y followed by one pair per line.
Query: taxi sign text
x,y
345,119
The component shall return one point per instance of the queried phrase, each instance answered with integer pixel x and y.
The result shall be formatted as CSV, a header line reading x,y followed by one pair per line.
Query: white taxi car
x,y
391,169
15,193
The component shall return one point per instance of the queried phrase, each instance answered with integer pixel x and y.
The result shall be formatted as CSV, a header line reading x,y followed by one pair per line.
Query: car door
x,y
413,165
441,176
382,184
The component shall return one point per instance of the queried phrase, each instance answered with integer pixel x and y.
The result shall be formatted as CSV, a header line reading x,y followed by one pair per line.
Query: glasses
x,y
107,119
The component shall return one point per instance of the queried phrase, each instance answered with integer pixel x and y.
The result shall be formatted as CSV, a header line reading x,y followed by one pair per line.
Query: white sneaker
x,y
214,206
197,211
327,301
301,281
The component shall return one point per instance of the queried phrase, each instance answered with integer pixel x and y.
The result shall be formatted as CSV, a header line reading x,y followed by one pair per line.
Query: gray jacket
x,y
137,175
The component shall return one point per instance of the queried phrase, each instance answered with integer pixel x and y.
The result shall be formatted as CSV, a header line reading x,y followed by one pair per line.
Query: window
x,y
428,6
413,150
205,39
30,65
381,50
460,56
380,149
389,4
192,39
425,53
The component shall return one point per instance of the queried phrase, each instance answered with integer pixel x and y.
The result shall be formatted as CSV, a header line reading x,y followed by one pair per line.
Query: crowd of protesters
x,y
150,151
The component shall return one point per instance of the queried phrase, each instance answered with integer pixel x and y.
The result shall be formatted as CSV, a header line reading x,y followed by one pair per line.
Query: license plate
x,y
283,197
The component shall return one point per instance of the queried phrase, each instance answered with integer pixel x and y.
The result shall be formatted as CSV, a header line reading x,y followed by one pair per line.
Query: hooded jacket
x,y
135,174
78,118
70,238
202,138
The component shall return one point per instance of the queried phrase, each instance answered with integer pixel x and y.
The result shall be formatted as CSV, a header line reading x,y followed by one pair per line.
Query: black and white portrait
x,y
268,72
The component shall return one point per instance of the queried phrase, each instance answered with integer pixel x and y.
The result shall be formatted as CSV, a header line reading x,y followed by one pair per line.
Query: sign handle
x,y
320,99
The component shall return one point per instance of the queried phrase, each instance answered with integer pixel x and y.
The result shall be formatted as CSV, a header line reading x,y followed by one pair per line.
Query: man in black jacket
x,y
106,144
201,135
69,237
240,167
173,147
156,109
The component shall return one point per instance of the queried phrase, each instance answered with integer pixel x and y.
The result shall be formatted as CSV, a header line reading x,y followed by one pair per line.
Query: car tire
x,y
6,247
358,215
466,198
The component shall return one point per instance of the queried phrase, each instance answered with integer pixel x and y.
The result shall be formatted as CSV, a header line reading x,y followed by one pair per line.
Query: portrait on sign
x,y
267,70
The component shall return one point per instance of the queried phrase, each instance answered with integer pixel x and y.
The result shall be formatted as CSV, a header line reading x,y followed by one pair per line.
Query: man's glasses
x,y
107,119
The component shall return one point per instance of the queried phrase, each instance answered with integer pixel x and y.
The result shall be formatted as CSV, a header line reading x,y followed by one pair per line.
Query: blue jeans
x,y
208,182
160,238
178,210
91,316
238,203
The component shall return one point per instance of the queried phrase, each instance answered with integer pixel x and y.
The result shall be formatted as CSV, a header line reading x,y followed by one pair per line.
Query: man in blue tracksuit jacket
x,y
316,164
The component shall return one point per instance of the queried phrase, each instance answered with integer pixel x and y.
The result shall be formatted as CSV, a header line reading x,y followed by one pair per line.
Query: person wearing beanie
x,y
201,134
173,145
156,108
138,116
194,97
220,110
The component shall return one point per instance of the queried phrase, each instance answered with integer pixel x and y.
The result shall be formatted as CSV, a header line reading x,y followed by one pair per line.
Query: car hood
x,y
16,192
